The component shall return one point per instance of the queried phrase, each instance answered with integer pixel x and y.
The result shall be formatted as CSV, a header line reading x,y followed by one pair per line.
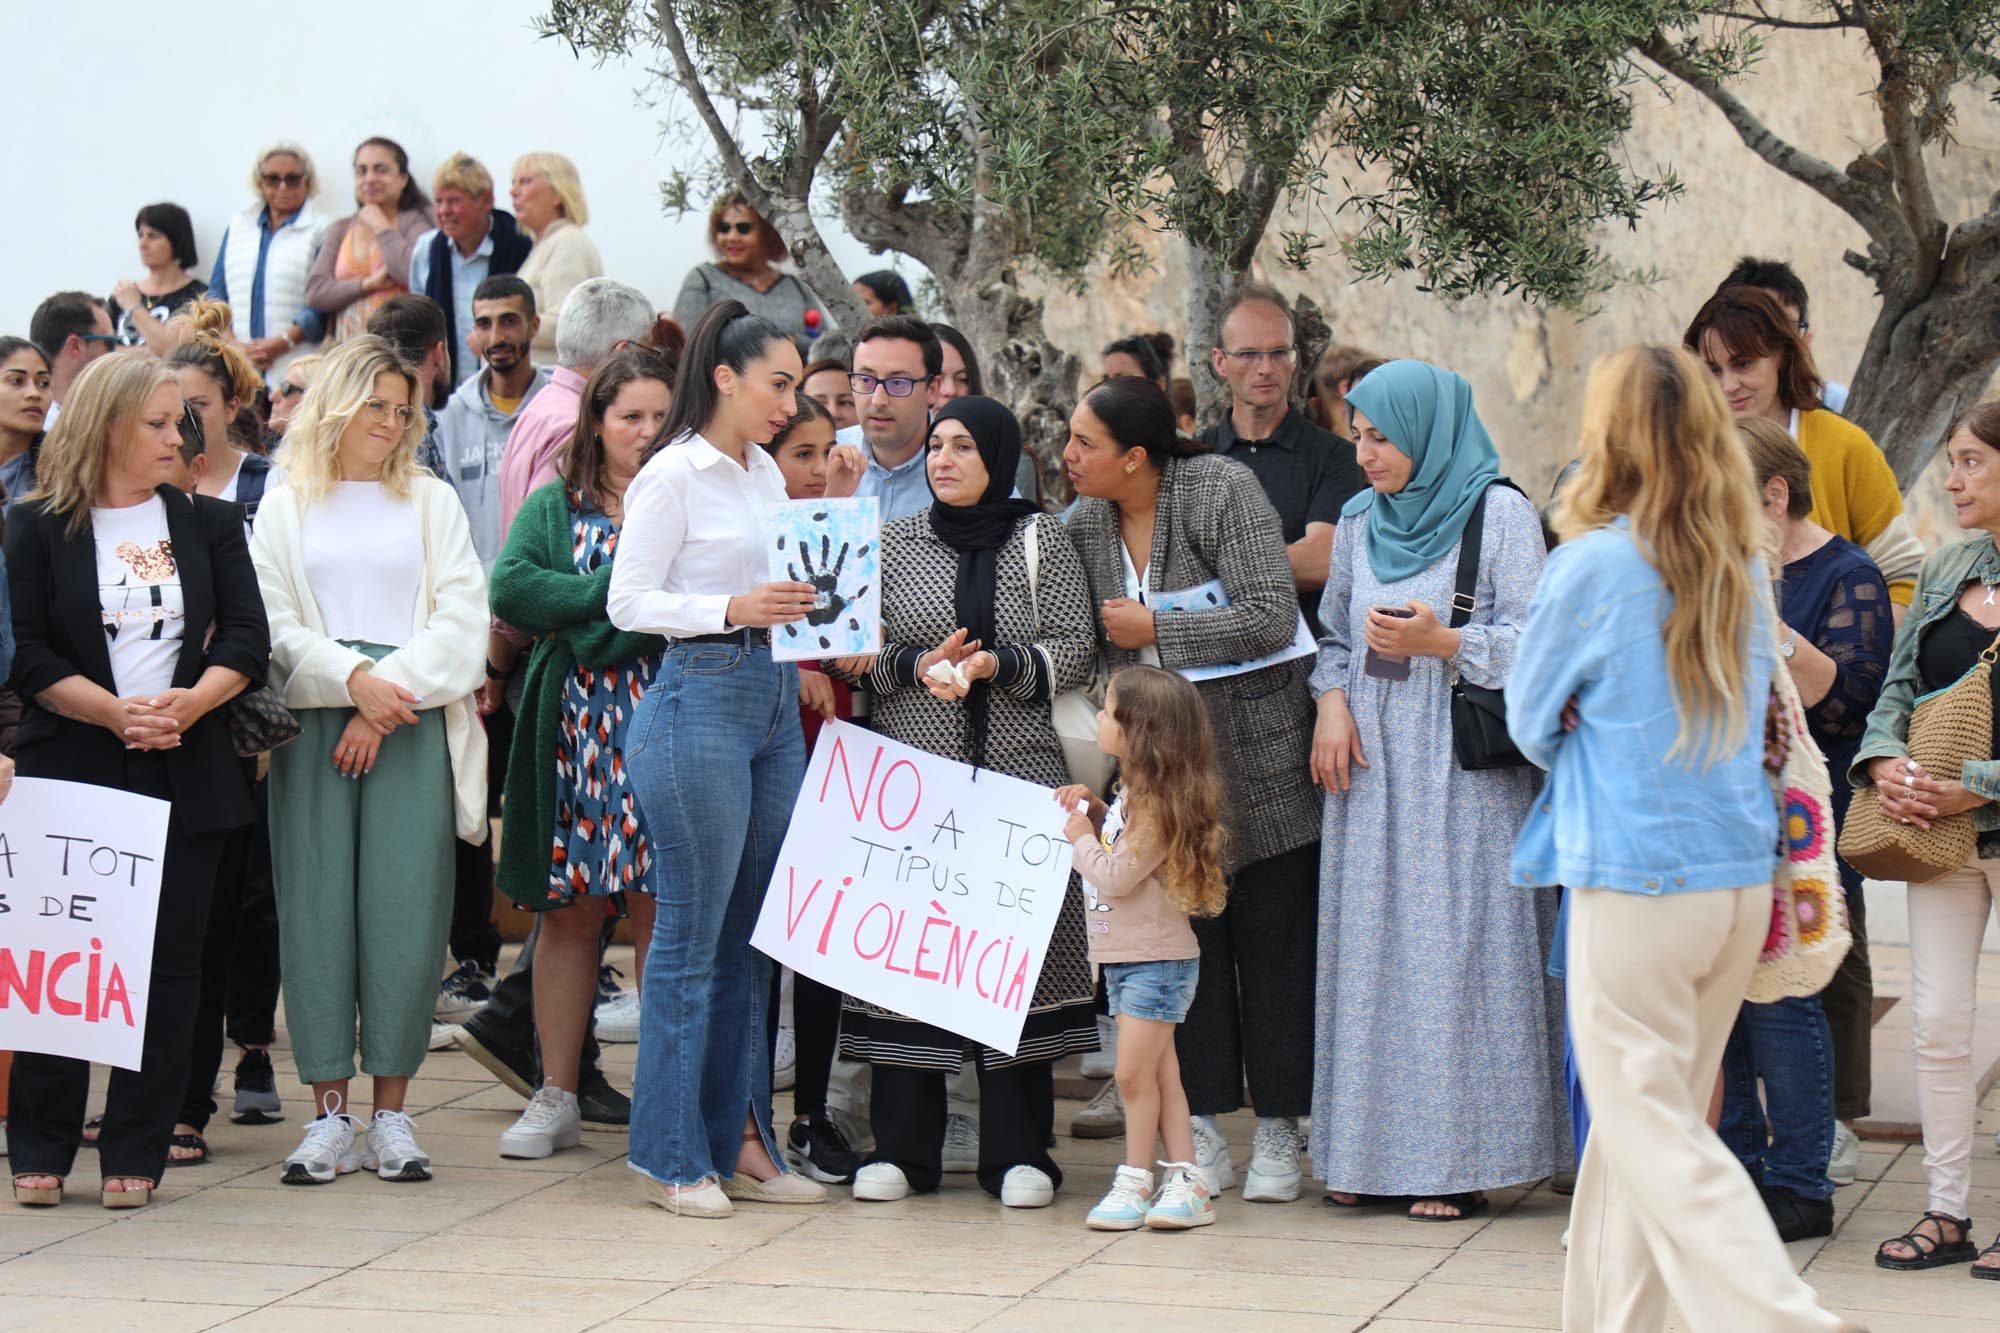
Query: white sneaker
x,y
1102,1062
1103,1118
441,1036
618,1018
1123,1207
1845,1164
1184,1202
393,1153
551,1121
1211,1158
328,1149
785,1063
1274,1163
464,993
1027,1187
961,1143
881,1182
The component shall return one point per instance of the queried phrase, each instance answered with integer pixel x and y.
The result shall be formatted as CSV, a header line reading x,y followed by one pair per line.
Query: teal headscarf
x,y
1427,413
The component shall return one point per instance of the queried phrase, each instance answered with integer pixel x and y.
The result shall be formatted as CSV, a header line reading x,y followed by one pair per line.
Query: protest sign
x,y
906,882
79,896
836,546
1211,597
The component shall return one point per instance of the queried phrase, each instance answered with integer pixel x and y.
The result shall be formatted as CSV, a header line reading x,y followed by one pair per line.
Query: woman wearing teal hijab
x,y
1431,968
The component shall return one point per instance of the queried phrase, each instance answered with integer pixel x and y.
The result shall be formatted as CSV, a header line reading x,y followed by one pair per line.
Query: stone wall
x,y
1527,366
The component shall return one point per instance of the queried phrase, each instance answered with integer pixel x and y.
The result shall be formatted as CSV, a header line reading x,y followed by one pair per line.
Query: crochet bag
x,y
1074,711
1947,728
1809,932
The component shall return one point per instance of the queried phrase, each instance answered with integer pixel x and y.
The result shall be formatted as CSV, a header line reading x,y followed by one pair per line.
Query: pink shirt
x,y
540,431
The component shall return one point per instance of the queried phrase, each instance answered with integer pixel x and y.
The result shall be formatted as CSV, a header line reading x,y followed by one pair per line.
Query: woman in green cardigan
x,y
573,835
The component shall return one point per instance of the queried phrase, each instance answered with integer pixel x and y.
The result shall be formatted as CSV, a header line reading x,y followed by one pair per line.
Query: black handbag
x,y
1478,714
258,722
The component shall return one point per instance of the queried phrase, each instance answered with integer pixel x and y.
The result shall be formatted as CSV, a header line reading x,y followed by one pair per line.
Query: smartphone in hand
x,y
1381,665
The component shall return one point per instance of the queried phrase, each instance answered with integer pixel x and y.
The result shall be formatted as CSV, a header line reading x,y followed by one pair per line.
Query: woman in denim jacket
x,y
1954,617
1640,682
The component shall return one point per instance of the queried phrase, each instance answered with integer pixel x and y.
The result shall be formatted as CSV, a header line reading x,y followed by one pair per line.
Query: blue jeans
x,y
716,756
1788,1045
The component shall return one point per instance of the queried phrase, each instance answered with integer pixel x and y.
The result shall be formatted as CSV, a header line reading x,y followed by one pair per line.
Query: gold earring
x,y
1130,468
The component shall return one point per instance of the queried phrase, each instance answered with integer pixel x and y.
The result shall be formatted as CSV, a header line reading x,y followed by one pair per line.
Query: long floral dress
x,y
601,845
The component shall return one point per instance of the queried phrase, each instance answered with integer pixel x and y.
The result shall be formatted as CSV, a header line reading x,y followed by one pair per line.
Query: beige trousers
x,y
1947,926
1662,1208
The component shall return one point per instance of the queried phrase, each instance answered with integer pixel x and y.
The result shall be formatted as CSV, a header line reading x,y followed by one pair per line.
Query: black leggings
x,y
815,1029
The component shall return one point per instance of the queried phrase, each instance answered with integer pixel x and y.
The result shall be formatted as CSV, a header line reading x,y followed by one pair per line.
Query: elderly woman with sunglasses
x,y
266,253
747,252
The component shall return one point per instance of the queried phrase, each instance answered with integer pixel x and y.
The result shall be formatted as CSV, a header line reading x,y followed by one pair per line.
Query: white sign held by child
x,y
905,882
79,896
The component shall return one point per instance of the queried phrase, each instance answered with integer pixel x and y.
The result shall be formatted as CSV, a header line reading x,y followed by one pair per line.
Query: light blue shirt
x,y
466,275
1617,812
903,489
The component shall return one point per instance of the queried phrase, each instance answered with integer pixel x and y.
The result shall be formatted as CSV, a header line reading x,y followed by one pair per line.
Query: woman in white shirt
x,y
714,762
378,612
137,617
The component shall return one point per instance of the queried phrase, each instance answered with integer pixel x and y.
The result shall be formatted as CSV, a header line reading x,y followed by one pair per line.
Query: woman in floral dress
x,y
574,840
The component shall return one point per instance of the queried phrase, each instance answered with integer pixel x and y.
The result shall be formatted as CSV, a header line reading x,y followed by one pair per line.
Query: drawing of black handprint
x,y
825,580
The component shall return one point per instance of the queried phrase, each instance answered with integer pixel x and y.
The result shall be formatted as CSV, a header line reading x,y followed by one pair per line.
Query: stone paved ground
x,y
570,1244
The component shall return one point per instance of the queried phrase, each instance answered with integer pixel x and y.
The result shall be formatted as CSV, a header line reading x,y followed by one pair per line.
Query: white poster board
x,y
905,882
1210,597
79,897
836,546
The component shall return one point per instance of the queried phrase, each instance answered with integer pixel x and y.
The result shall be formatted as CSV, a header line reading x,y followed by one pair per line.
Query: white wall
x,y
112,104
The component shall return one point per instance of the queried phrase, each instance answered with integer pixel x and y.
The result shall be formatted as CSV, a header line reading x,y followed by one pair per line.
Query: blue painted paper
x,y
835,545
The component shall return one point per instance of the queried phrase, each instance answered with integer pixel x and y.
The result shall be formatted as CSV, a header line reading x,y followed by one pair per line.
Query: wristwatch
x,y
1790,644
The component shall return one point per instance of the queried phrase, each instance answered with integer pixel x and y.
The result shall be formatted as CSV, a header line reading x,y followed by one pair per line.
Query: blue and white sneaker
x,y
1123,1207
1184,1200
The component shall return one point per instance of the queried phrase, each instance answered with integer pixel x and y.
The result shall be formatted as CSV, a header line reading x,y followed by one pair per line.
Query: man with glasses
x,y
1307,473
898,362
73,330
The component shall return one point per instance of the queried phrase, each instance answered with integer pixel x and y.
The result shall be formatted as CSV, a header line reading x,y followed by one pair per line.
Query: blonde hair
x,y
221,360
307,366
1172,788
561,175
1774,453
102,404
310,453
462,171
1659,445
282,150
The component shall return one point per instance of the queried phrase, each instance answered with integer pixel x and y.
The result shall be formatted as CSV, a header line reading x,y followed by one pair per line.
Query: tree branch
x,y
1877,216
1968,236
689,78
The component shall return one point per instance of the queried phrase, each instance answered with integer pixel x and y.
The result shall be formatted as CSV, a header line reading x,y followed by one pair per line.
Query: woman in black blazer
x,y
136,617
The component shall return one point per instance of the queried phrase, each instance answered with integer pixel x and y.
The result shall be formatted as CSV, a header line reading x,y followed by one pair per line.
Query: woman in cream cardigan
x,y
548,202
378,612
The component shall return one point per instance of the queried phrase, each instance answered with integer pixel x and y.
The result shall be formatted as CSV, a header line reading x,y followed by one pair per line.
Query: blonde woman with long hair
x,y
137,617
1640,683
378,614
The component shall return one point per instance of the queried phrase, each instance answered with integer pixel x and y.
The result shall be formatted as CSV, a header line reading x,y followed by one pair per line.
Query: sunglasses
x,y
290,180
289,390
740,228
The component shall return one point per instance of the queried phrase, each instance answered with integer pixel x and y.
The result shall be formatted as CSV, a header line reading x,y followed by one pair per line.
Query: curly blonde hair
x,y
1172,788
310,454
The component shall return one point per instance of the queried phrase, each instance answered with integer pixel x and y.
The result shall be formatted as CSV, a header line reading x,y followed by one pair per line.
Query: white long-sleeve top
x,y
697,532
442,658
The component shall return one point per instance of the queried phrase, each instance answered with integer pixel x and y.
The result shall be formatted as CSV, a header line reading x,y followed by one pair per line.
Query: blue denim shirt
x,y
1617,812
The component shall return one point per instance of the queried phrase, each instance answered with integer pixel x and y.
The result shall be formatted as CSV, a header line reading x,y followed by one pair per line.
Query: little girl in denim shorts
x,y
1148,861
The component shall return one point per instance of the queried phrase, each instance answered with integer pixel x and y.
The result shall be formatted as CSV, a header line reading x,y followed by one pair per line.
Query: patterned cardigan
x,y
1214,522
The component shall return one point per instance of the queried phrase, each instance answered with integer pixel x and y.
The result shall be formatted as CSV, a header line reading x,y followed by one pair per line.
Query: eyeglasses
x,y
379,412
289,390
896,386
1257,356
97,338
289,180
740,228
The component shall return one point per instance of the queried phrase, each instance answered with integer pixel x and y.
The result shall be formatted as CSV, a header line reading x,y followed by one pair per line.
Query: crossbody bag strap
x,y
1465,588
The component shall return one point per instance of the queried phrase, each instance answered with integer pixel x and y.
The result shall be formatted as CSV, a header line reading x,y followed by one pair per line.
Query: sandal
x,y
1469,1204
194,1141
1367,1200
1931,1251
128,1197
92,1128
38,1196
1991,1272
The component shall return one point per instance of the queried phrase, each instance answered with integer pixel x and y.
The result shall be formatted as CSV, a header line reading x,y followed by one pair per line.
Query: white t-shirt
x,y
1135,590
363,550
139,592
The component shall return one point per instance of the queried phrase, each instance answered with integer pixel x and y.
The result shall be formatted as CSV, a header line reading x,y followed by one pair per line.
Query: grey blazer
x,y
1214,522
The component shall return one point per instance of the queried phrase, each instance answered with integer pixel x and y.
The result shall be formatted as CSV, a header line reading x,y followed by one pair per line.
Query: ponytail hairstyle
x,y
1153,351
727,334
1660,446
223,362
1172,788
1139,414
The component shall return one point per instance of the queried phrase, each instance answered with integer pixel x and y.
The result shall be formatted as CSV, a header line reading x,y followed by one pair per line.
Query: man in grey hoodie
x,y
473,431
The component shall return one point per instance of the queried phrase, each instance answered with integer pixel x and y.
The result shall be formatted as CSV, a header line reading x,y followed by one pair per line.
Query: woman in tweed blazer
x,y
1199,520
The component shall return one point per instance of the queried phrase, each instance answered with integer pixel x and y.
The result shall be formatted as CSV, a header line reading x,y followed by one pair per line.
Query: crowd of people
x,y
487,533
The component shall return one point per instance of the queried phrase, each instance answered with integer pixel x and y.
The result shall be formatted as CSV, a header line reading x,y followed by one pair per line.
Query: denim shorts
x,y
1159,991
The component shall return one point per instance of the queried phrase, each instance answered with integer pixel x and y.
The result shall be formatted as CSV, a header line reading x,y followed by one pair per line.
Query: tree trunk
x,y
1926,362
793,219
1208,286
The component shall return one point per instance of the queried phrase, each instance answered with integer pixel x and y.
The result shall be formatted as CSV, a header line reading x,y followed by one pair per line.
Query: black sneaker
x,y
257,1100
816,1149
1796,1216
608,988
463,993
603,1106
514,1065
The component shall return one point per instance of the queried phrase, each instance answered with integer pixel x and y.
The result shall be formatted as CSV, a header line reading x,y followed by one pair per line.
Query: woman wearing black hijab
x,y
955,588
